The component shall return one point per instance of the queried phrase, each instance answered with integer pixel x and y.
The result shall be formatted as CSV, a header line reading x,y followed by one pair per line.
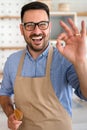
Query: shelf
x,y
12,48
9,17
63,13
81,13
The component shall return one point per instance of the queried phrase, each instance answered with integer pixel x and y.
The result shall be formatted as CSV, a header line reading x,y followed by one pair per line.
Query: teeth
x,y
39,37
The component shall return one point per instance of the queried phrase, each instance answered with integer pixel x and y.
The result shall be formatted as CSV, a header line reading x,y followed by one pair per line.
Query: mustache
x,y
37,35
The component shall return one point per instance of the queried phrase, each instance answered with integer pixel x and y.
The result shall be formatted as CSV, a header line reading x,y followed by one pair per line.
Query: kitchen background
x,y
11,41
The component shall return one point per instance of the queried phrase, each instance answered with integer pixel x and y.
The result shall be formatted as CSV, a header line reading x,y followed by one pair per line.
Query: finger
x,y
18,124
14,125
73,26
83,30
63,36
66,28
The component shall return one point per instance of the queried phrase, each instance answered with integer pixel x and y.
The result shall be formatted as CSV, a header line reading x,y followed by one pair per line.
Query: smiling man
x,y
42,77
35,28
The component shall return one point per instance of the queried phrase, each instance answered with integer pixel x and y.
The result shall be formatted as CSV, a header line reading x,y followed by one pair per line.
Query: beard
x,y
37,48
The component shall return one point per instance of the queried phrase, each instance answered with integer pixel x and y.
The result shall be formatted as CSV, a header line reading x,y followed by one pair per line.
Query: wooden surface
x,y
12,48
1,76
81,13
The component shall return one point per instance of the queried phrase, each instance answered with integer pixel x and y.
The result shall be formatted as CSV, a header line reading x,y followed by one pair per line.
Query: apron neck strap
x,y
20,66
49,61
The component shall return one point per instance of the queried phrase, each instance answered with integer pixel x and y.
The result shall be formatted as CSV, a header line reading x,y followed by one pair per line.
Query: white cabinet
x,y
56,28
55,19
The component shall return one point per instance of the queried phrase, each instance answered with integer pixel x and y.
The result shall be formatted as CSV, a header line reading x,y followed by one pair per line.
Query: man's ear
x,y
21,29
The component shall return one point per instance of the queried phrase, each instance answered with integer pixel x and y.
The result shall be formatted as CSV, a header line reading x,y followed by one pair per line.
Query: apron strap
x,y
21,63
49,61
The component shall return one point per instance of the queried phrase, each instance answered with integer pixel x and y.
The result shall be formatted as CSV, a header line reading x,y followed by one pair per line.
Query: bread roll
x,y
18,114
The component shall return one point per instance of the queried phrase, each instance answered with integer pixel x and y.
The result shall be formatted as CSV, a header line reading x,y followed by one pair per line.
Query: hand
x,y
13,124
75,49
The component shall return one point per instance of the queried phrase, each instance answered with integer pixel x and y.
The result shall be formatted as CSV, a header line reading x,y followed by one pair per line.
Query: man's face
x,y
36,39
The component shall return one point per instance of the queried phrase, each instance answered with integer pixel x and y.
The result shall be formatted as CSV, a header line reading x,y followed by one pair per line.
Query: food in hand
x,y
18,114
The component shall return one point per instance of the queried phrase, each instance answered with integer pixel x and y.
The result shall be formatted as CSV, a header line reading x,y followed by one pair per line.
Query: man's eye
x,y
43,24
30,25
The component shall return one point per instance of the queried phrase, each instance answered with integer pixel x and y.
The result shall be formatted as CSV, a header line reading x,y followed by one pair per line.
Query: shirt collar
x,y
45,52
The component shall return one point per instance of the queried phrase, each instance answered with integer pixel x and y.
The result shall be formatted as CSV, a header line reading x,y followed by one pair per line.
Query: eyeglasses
x,y
30,26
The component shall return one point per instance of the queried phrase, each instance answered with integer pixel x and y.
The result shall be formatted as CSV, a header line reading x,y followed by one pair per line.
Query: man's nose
x,y
37,29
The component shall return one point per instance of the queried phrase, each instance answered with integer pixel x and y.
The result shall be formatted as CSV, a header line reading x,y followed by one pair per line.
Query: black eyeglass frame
x,y
35,24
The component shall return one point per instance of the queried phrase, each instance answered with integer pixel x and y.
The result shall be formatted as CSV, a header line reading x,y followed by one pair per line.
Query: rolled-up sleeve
x,y
6,85
74,82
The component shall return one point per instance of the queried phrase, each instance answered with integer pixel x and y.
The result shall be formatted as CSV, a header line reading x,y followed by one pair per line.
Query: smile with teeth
x,y
39,38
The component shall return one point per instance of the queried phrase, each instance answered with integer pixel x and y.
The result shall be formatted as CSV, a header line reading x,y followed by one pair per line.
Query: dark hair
x,y
34,5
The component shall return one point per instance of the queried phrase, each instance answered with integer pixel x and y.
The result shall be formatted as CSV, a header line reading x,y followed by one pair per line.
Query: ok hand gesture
x,y
75,49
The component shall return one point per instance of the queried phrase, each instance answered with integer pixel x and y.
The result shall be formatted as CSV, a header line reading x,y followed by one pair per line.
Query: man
x,y
42,77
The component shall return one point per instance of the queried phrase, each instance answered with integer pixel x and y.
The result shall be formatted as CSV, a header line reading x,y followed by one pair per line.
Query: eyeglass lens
x,y
31,26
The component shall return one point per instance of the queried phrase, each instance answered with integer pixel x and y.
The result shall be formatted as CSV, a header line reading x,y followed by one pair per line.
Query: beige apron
x,y
36,98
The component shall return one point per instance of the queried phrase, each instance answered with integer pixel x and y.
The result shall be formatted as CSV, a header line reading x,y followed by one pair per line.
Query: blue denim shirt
x,y
62,73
